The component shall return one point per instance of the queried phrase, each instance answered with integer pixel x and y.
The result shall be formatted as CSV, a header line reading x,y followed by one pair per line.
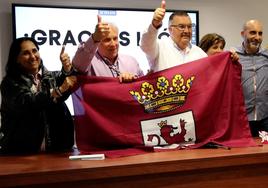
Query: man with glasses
x,y
174,50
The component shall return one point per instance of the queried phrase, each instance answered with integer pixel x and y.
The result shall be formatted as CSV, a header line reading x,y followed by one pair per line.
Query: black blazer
x,y
29,116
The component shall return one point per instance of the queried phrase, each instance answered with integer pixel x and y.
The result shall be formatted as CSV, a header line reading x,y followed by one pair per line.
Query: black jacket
x,y
29,116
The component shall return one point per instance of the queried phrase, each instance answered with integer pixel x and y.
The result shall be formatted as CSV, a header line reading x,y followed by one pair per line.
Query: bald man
x,y
254,61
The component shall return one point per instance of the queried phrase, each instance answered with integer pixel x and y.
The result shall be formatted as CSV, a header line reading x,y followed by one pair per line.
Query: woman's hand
x,y
65,60
234,56
68,84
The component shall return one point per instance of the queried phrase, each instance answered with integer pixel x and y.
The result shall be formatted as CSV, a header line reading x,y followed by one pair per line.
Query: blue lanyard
x,y
114,68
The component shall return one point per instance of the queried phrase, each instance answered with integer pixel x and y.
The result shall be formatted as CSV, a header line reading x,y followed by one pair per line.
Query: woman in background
x,y
214,43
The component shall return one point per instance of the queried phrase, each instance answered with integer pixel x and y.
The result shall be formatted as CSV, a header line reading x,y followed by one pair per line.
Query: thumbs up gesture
x,y
102,30
65,60
159,15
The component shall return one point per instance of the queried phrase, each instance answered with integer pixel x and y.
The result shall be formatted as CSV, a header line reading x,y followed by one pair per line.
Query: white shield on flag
x,y
174,129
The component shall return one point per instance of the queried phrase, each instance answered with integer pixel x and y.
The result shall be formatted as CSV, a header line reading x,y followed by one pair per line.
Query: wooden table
x,y
238,167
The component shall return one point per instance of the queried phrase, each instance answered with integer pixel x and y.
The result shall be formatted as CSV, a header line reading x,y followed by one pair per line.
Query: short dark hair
x,y
209,39
177,13
12,66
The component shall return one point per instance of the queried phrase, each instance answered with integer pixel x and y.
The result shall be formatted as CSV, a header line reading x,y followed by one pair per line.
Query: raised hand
x,y
102,30
159,15
65,60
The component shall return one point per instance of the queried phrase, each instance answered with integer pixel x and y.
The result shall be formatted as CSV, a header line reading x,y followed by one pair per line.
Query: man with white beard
x,y
254,61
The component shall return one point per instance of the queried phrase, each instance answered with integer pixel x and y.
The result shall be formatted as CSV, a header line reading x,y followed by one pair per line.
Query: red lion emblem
x,y
165,133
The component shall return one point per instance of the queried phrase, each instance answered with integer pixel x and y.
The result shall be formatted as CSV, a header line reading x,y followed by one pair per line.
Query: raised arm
x,y
86,50
149,38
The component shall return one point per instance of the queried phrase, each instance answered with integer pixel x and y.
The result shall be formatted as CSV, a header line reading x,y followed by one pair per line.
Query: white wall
x,y
222,16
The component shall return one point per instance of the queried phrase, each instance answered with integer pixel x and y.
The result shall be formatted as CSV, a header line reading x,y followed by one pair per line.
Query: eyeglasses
x,y
182,27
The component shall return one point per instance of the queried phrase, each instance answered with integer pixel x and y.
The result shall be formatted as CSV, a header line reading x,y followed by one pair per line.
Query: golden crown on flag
x,y
165,96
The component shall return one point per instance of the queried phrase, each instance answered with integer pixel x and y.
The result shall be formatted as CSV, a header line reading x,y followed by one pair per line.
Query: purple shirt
x,y
88,61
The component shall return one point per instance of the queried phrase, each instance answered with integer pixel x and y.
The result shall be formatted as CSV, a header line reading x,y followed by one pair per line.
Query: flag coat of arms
x,y
191,104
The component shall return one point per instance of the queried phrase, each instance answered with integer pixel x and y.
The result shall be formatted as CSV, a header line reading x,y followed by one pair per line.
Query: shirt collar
x,y
36,76
187,49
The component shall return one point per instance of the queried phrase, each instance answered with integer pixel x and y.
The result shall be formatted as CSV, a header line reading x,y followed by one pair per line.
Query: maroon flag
x,y
192,104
